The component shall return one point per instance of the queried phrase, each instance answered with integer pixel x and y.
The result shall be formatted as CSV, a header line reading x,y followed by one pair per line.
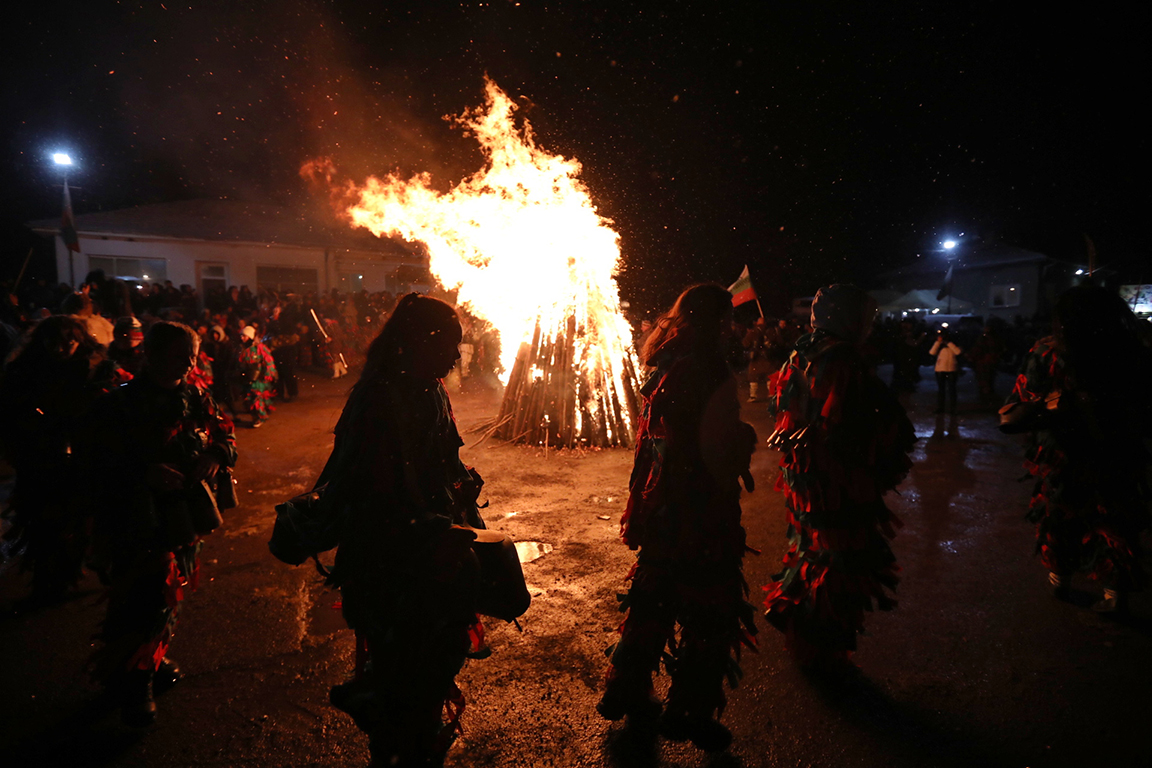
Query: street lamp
x,y
949,247
61,158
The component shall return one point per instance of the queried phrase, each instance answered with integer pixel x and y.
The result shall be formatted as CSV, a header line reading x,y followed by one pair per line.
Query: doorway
x,y
212,282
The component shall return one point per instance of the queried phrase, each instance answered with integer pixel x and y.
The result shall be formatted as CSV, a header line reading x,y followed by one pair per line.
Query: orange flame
x,y
520,240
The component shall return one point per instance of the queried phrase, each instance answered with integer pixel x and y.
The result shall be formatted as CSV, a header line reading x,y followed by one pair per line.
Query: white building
x,y
220,243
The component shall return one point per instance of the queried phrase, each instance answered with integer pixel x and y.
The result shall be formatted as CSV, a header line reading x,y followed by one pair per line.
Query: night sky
x,y
815,143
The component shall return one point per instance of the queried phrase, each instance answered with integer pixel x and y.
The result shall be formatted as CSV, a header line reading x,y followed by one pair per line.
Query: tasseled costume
x,y
845,441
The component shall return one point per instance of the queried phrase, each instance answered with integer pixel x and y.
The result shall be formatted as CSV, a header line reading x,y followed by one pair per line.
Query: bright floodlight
x,y
1079,271
61,158
949,244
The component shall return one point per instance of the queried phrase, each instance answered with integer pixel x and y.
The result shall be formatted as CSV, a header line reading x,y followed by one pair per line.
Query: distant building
x,y
995,280
213,244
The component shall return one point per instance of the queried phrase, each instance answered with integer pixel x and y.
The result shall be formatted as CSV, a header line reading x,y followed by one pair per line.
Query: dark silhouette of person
x,y
683,515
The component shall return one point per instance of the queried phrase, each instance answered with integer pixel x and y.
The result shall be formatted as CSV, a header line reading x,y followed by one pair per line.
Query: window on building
x,y
127,268
287,279
1004,296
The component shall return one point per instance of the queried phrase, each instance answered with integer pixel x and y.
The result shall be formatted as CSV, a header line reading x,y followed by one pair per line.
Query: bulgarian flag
x,y
742,290
68,224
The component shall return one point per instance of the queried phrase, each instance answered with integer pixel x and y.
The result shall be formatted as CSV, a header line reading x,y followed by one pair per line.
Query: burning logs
x,y
562,393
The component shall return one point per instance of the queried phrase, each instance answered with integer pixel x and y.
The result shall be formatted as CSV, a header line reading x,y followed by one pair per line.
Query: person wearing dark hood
x,y
404,563
1082,395
284,344
157,446
845,442
225,379
47,390
683,515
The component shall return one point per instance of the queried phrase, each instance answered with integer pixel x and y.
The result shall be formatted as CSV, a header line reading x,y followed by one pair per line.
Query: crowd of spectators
x,y
763,344
322,332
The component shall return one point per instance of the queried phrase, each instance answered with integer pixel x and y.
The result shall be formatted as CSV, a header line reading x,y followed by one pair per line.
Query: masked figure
x,y
845,442
683,515
158,443
1082,397
257,371
47,390
404,562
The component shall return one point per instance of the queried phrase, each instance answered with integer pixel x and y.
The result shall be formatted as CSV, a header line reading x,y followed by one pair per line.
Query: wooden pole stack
x,y
562,392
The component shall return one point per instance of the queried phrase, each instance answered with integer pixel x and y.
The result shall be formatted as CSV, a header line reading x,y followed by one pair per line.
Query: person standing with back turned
x,y
1082,394
683,514
404,564
845,441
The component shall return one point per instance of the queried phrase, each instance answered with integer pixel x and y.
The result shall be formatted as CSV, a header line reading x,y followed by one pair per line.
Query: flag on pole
x,y
68,224
946,289
742,290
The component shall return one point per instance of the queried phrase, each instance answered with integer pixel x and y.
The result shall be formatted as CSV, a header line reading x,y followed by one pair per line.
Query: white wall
x,y
243,258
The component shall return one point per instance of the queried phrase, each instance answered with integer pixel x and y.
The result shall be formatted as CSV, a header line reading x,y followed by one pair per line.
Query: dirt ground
x,y
978,666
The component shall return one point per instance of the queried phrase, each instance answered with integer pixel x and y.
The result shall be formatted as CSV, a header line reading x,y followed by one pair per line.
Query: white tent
x,y
924,300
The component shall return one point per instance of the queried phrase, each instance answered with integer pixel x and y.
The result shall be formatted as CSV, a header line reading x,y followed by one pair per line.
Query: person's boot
x,y
166,676
704,732
137,706
753,391
1115,603
633,699
1059,584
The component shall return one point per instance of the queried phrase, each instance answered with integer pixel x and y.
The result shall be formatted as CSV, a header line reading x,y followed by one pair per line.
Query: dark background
x,y
815,143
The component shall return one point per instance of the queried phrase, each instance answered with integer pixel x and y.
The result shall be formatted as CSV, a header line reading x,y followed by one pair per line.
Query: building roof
x,y
228,221
974,256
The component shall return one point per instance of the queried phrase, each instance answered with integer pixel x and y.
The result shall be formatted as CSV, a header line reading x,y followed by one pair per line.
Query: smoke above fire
x,y
520,241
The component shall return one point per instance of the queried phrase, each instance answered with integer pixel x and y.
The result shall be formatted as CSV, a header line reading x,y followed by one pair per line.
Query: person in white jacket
x,y
947,356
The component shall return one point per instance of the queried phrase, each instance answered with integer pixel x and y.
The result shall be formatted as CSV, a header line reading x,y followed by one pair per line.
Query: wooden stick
x,y
20,276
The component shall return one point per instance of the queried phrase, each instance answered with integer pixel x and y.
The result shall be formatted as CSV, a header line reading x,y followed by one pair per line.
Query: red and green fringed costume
x,y
144,539
845,442
260,379
683,514
1089,502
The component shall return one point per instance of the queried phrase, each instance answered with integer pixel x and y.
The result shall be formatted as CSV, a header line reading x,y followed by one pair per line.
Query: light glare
x,y
949,244
61,158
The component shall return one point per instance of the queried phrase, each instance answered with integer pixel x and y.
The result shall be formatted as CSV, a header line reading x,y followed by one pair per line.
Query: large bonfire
x,y
522,244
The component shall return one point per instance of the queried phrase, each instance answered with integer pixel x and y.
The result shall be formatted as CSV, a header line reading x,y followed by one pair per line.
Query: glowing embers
x,y
522,244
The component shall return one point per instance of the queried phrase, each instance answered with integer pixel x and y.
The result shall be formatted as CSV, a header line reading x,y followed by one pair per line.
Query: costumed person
x,y
157,447
225,378
683,515
404,562
947,355
202,372
284,343
48,388
257,371
845,442
1082,396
